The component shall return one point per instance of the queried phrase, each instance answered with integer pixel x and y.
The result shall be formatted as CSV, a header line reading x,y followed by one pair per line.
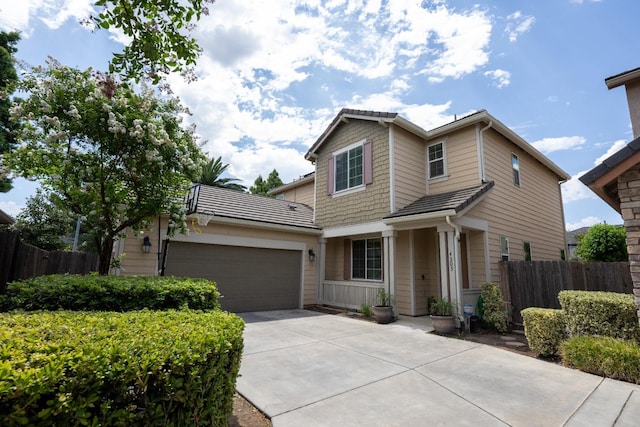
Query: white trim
x,y
412,273
487,257
252,242
354,230
421,217
334,155
392,181
346,191
303,259
472,223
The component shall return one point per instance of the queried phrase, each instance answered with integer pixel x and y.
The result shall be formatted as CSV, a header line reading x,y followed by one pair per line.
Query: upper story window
x,y
515,163
436,160
350,168
349,171
366,259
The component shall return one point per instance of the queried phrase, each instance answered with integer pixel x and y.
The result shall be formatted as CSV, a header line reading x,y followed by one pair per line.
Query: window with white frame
x,y
348,167
515,163
366,259
527,251
436,160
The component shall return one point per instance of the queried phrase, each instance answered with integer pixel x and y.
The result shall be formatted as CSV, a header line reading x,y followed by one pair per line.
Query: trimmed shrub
x,y
600,313
110,293
118,369
604,356
494,313
544,329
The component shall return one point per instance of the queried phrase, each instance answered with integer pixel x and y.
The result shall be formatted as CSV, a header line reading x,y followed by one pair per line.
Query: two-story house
x,y
390,205
428,213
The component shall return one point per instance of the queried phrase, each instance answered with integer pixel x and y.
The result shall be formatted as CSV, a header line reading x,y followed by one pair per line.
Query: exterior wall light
x,y
312,255
146,245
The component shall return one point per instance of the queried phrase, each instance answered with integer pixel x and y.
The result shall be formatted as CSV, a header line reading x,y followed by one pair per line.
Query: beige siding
x,y
370,204
137,263
462,162
300,194
532,212
426,267
334,268
409,168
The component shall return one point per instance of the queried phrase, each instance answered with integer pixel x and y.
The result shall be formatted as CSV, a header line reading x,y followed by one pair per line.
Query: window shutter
x,y
347,259
330,176
368,162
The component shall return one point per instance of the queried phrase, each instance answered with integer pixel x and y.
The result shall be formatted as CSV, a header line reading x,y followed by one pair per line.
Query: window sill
x,y
438,179
349,191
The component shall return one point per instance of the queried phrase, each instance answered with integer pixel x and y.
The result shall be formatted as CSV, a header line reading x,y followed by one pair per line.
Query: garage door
x,y
250,279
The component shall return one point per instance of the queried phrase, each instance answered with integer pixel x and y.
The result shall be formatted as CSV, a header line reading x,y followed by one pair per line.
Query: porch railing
x,y
350,294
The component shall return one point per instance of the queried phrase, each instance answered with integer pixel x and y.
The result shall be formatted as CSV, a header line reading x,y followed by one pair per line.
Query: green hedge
x,y
494,313
600,313
118,369
605,356
544,329
110,293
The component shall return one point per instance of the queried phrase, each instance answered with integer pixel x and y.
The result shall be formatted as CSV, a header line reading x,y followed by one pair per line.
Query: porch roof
x,y
452,202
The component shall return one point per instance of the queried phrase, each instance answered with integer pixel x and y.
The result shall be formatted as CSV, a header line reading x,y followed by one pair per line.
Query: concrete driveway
x,y
304,368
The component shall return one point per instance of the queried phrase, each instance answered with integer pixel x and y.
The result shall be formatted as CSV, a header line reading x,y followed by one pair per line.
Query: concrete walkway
x,y
304,368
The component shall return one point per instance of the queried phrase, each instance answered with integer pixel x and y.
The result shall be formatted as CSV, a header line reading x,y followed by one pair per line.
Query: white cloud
x,y
517,24
615,147
583,1
20,15
501,77
549,145
574,190
584,222
11,207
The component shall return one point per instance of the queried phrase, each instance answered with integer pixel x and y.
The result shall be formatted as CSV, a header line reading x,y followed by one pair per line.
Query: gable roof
x,y
622,78
439,205
482,116
5,218
293,184
251,209
603,179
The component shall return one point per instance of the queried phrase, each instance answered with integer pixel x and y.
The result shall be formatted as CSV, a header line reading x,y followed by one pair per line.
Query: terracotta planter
x,y
443,324
383,313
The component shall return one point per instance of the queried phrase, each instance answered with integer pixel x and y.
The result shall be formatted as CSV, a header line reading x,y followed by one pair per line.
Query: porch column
x,y
444,263
322,251
389,257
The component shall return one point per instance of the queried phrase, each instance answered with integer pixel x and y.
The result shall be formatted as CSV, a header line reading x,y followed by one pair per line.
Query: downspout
x,y
481,153
458,270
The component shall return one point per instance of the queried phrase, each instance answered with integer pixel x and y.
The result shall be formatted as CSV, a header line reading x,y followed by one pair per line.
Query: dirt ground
x,y
246,415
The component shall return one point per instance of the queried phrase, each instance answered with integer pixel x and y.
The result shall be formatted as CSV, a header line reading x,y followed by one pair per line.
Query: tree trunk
x,y
104,253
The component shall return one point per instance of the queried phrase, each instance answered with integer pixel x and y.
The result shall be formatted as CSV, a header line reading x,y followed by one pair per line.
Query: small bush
x,y
494,313
365,309
110,293
600,313
118,369
544,329
605,356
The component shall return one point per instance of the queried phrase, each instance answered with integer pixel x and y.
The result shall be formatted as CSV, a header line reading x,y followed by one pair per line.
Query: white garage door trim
x,y
221,239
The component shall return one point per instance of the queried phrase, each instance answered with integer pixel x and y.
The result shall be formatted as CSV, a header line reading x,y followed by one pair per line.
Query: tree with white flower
x,y
115,156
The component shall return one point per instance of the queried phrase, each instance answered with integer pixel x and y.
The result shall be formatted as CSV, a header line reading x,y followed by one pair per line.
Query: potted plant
x,y
383,311
442,316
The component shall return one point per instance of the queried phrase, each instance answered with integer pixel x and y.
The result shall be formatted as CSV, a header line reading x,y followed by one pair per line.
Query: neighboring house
x,y
617,179
418,213
572,241
5,218
428,213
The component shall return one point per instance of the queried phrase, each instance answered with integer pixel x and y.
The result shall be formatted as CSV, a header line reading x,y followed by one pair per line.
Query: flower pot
x,y
443,324
383,313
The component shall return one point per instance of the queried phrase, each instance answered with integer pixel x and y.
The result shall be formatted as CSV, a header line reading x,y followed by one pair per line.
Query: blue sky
x,y
274,74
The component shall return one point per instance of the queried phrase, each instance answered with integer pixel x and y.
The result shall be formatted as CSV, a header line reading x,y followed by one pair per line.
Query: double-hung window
x,y
366,259
436,160
515,163
349,172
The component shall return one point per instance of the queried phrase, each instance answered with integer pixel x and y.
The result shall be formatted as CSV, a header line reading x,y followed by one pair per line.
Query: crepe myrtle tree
x,y
116,157
159,33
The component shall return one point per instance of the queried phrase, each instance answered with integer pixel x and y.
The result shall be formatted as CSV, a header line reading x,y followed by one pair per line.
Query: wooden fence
x,y
19,260
536,284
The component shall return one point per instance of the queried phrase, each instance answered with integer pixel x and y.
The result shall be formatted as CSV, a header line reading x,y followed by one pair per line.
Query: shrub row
x,y
544,329
118,369
605,356
110,293
600,313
